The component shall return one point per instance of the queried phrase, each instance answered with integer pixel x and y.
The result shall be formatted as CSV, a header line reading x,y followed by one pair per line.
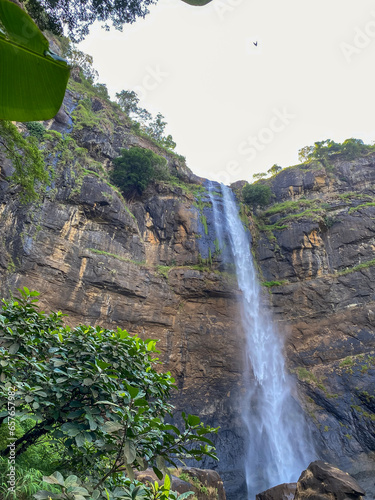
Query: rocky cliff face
x,y
140,264
316,247
149,265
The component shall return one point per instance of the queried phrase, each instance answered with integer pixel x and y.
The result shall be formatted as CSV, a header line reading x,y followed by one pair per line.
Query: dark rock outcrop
x,y
322,481
284,491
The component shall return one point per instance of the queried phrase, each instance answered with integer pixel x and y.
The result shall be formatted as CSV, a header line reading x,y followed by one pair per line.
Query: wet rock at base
x,y
322,481
285,491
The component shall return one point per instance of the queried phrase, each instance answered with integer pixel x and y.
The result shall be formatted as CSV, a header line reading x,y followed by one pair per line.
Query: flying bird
x,y
256,44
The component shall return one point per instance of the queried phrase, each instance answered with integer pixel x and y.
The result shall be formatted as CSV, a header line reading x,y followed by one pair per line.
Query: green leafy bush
x,y
44,456
27,482
256,194
36,129
136,168
30,172
95,391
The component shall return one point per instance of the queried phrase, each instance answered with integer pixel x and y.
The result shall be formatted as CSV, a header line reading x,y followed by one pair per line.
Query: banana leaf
x,y
32,79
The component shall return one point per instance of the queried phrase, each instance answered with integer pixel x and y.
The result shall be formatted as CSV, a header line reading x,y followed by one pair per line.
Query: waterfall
x,y
278,446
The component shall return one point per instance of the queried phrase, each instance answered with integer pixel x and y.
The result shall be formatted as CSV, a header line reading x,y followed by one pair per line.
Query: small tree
x,y
136,168
352,148
260,175
156,128
256,194
275,169
128,101
95,390
304,154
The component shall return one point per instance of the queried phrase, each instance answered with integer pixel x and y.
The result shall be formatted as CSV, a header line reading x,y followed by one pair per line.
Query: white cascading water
x,y
279,447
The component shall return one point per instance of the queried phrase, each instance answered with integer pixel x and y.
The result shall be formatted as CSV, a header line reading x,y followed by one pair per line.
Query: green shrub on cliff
x,y
256,194
136,168
30,171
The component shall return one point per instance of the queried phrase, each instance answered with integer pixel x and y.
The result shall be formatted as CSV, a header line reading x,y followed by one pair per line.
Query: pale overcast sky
x,y
234,108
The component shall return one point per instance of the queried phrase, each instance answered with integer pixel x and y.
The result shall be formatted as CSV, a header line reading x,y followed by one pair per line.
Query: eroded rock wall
x,y
140,264
149,265
318,253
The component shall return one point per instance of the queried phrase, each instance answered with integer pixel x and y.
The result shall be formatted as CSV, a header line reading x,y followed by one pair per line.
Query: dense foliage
x,y
256,194
324,150
94,392
136,168
36,129
78,16
30,172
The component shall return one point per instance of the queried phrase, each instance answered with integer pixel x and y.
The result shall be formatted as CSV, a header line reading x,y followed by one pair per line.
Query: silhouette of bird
x,y
256,44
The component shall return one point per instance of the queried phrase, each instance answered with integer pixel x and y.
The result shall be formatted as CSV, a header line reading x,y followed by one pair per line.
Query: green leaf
x,y
187,494
33,81
109,427
58,362
41,393
77,490
14,347
142,463
80,440
140,402
167,482
102,364
71,481
45,495
160,463
61,338
60,380
130,472
93,424
133,391
70,429
130,451
55,478
158,473
193,420
106,403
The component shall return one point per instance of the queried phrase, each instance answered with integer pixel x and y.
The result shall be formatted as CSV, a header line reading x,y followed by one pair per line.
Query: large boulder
x,y
284,491
322,481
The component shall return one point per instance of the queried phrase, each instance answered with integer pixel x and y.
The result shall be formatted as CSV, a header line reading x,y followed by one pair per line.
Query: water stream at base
x,y
279,448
